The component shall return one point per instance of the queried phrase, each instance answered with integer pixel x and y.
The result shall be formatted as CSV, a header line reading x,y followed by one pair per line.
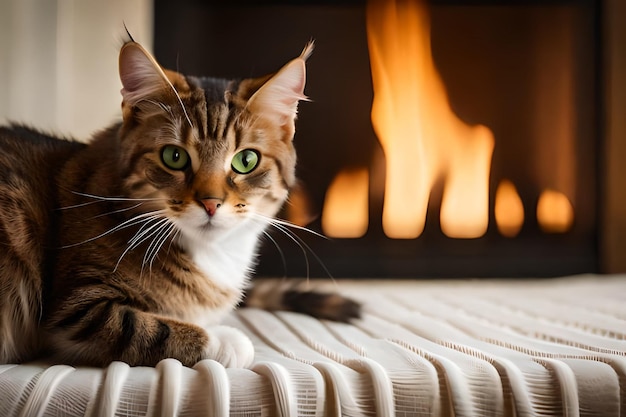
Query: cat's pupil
x,y
175,155
245,159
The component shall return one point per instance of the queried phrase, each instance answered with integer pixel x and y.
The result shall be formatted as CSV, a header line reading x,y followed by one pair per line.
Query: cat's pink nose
x,y
211,205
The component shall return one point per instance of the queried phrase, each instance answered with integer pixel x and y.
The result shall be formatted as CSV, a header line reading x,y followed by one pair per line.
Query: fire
x,y
299,209
555,213
424,142
509,209
422,138
345,213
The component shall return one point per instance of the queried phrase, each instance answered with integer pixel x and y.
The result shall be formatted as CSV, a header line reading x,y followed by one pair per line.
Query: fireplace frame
x,y
612,247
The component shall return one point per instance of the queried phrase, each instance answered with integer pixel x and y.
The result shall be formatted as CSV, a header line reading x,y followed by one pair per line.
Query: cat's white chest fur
x,y
225,261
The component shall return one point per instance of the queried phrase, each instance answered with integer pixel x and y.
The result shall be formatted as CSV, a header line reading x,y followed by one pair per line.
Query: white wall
x,y
58,61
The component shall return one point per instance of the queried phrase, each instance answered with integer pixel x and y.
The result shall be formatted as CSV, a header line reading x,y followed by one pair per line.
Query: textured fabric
x,y
423,348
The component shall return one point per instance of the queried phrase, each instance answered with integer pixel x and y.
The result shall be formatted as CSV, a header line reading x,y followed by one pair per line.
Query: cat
x,y
134,246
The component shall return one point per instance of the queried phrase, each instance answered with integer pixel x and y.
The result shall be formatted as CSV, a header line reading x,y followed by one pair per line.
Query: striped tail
x,y
296,296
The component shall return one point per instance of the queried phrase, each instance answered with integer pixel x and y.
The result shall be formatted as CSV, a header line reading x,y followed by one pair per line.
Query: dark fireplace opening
x,y
528,71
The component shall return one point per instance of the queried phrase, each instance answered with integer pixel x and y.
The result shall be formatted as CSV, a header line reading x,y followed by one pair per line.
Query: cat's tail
x,y
297,296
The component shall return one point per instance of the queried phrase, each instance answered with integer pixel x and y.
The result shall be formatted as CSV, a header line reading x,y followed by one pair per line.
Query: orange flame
x,y
345,213
509,210
555,213
422,138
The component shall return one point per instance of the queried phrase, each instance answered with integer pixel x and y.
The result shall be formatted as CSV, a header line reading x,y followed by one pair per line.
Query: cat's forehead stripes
x,y
216,113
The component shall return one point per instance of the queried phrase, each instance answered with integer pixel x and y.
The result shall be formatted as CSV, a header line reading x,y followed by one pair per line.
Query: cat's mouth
x,y
196,217
214,221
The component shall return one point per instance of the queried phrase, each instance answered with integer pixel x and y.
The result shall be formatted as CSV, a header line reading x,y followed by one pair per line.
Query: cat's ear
x,y
142,77
278,97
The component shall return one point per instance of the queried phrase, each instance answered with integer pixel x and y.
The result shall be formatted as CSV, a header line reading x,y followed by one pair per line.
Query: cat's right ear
x,y
278,98
142,77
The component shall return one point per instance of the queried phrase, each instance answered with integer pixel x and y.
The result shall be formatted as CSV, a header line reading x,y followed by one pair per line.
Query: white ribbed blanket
x,y
423,348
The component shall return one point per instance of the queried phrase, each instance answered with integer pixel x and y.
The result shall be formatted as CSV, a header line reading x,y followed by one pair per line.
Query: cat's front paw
x,y
229,346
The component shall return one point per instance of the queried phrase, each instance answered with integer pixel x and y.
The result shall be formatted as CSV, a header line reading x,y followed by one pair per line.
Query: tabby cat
x,y
133,247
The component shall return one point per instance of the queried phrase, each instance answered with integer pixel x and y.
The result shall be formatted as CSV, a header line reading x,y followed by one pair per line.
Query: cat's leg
x,y
19,314
276,295
106,331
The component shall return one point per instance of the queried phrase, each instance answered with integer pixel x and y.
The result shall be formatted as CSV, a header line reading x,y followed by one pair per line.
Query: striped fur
x,y
113,253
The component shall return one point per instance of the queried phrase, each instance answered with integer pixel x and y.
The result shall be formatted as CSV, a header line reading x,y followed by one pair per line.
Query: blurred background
x,y
58,60
545,77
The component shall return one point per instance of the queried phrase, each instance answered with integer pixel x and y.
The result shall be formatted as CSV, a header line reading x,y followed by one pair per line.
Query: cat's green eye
x,y
174,157
245,161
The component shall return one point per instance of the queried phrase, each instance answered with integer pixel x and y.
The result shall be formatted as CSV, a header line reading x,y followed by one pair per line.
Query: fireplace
x,y
516,122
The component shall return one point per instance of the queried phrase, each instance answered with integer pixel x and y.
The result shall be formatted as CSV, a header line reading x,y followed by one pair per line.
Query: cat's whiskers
x,y
100,198
153,226
162,106
150,227
295,226
274,221
284,226
88,203
146,230
174,126
155,246
267,221
175,237
280,251
128,223
182,105
115,211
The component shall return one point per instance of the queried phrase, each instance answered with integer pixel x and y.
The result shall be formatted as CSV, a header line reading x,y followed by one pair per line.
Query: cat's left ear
x,y
278,98
141,75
